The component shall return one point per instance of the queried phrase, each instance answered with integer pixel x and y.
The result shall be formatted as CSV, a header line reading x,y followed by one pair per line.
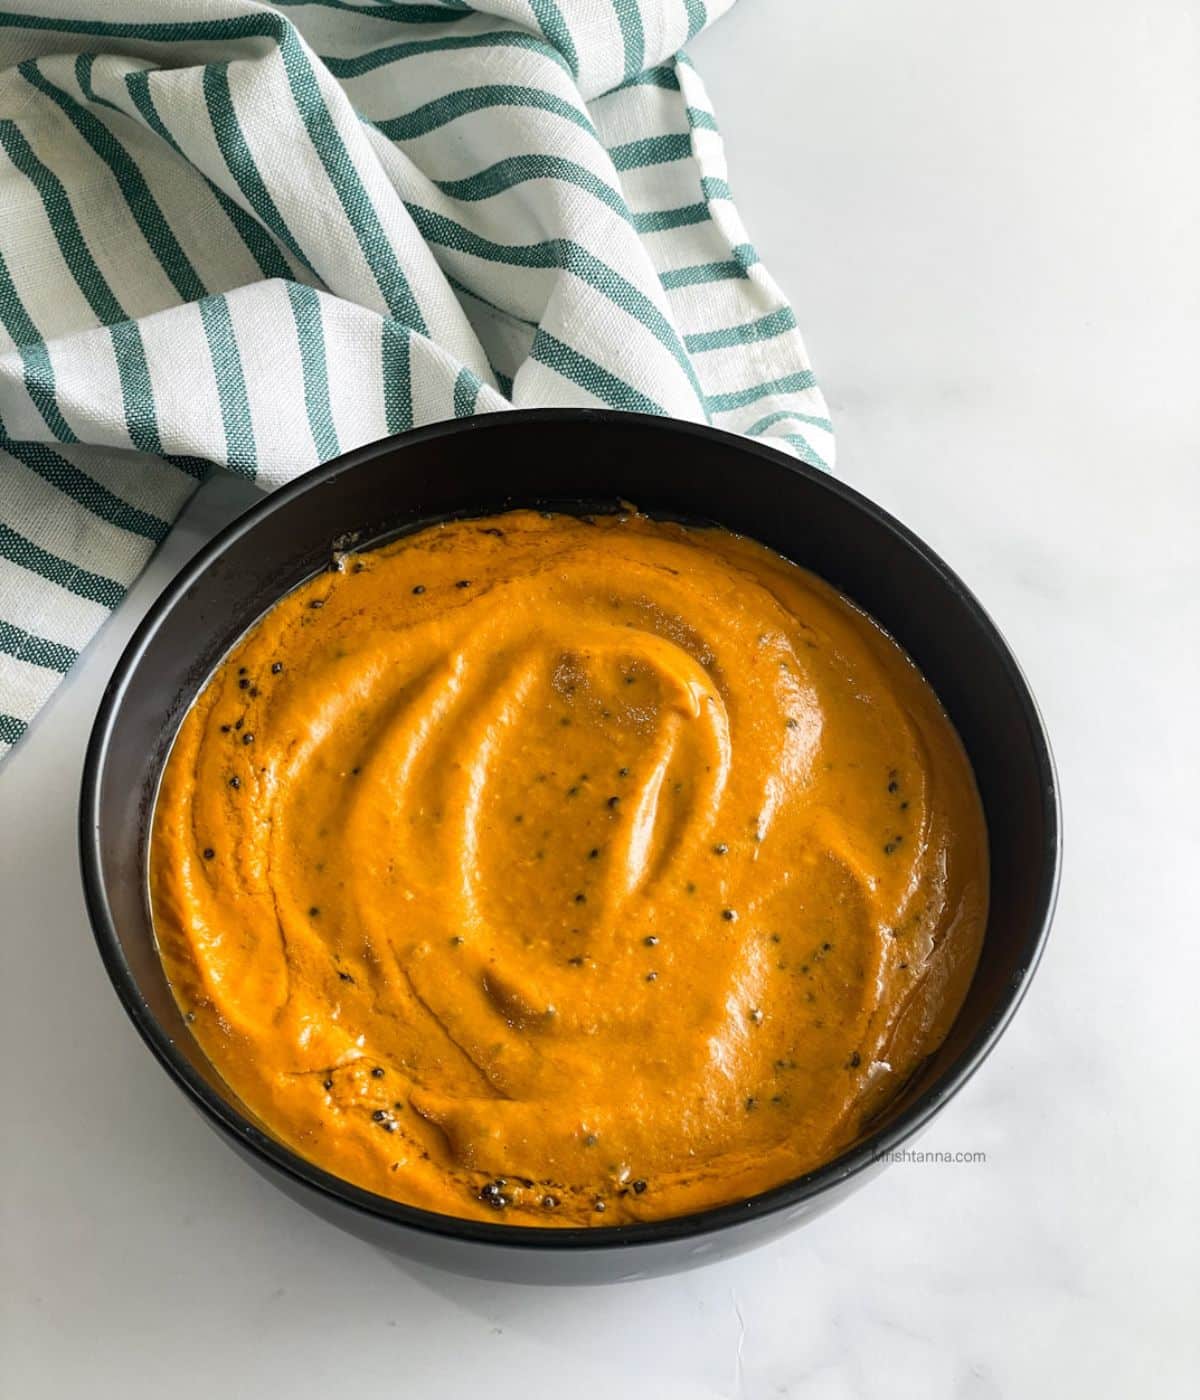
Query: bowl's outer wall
x,y
579,1265
491,464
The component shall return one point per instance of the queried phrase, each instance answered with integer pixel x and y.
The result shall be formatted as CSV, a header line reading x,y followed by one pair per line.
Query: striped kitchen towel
x,y
254,236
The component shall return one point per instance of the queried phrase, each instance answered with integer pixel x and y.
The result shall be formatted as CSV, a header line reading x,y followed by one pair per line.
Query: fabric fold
x,y
253,237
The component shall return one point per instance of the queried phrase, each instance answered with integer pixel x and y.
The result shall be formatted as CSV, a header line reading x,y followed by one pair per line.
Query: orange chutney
x,y
563,871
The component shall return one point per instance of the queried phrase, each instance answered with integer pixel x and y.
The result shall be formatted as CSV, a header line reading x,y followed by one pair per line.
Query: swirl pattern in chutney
x,y
567,872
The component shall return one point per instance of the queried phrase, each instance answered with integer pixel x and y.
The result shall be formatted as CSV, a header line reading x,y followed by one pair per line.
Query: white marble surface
x,y
991,239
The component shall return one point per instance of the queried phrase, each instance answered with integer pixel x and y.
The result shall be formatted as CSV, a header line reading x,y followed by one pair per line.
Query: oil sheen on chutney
x,y
567,871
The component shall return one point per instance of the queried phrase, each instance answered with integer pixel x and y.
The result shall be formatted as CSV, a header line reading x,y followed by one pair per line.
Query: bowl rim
x,y
874,1150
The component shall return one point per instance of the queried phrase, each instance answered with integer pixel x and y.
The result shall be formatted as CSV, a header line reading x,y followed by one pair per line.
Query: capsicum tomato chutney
x,y
565,871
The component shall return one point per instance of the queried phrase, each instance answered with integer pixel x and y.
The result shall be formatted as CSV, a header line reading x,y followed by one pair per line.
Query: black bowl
x,y
572,460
